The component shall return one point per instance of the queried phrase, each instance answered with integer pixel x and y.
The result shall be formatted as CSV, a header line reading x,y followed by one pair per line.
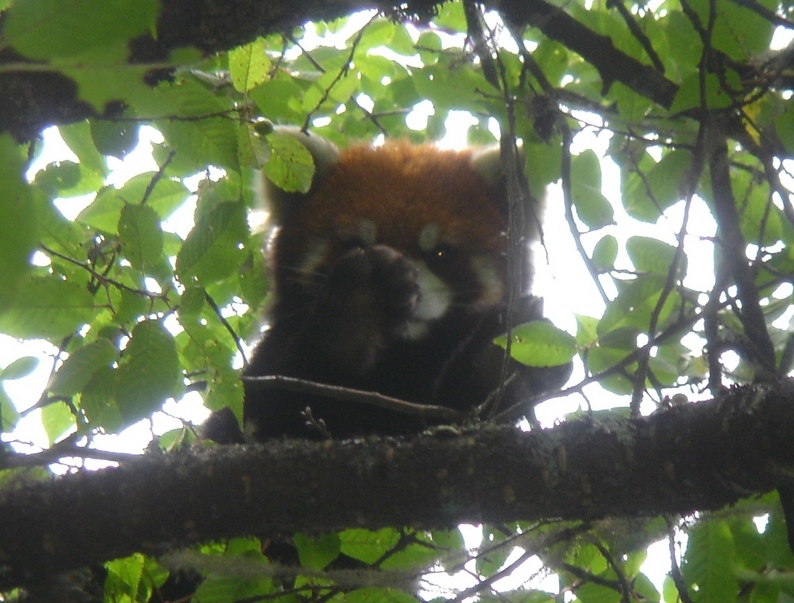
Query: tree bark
x,y
694,457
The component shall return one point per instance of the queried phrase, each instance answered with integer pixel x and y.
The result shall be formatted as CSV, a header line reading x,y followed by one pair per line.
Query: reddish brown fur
x,y
402,188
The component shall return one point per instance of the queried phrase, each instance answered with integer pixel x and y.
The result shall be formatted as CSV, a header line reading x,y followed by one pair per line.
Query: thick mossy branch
x,y
694,457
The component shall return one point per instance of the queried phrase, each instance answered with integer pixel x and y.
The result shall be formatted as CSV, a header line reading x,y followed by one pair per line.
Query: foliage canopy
x,y
691,99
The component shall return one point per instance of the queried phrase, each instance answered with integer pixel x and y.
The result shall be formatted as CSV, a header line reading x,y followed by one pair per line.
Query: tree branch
x,y
695,457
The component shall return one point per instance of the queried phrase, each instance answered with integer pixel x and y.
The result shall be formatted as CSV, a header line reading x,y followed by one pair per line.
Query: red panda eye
x,y
351,243
442,254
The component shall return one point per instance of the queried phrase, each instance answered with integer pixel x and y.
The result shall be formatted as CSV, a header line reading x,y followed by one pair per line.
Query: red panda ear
x,y
487,162
324,153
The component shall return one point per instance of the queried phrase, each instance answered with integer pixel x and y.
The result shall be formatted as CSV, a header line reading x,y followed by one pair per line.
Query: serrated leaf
x,y
140,236
98,401
248,65
212,251
273,99
708,563
290,165
540,344
48,308
80,367
149,373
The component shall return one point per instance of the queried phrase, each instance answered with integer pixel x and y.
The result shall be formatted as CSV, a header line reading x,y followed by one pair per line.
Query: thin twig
x,y
336,392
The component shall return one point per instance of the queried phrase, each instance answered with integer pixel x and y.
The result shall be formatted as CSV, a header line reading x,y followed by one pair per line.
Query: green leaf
x,y
653,187
652,255
104,212
605,253
80,367
591,206
635,303
115,138
52,29
379,595
79,138
429,46
140,236
248,65
452,16
689,94
18,222
98,401
226,391
192,301
207,137
48,308
132,576
590,592
540,343
61,179
290,165
368,545
57,419
708,563
275,98
425,550
586,330
212,251
149,372
8,413
108,78
19,368
317,552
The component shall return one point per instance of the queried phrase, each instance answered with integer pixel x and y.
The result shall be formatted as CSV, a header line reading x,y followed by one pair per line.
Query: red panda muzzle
x,y
365,304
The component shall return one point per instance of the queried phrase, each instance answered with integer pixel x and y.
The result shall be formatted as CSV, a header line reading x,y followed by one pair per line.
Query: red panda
x,y
389,275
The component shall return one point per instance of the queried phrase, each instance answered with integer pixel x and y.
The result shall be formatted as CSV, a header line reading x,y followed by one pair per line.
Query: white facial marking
x,y
314,257
368,231
435,297
493,287
428,237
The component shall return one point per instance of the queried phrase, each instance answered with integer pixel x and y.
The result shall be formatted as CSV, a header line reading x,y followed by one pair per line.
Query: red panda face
x,y
409,231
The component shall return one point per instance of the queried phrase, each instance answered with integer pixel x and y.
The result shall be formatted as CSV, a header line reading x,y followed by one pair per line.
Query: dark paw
x,y
378,281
